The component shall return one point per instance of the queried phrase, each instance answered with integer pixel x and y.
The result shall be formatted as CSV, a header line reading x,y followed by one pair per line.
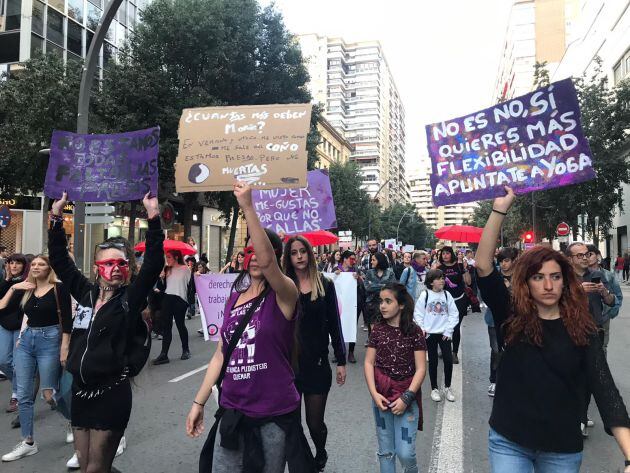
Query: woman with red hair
x,y
551,354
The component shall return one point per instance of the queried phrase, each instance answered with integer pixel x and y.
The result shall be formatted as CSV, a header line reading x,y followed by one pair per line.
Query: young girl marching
x,y
437,315
394,370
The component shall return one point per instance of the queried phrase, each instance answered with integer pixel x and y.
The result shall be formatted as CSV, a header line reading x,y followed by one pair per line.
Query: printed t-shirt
x,y
259,380
395,351
453,279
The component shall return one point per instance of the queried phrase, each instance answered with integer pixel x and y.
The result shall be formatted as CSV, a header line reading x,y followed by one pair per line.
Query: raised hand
x,y
503,204
58,205
151,205
243,194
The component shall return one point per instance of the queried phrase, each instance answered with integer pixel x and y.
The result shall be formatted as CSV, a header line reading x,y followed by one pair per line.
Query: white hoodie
x,y
436,313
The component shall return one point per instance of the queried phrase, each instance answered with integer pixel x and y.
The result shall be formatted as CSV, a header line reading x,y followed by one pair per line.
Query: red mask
x,y
107,266
249,252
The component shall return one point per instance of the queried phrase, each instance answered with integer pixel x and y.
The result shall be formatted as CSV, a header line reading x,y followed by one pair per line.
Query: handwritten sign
x,y
530,143
263,145
298,210
213,291
103,168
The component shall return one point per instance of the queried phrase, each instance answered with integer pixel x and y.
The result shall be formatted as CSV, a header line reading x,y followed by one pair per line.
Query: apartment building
x,y
333,148
354,83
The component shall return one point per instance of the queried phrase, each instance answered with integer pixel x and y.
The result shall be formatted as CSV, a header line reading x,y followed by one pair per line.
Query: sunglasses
x,y
111,244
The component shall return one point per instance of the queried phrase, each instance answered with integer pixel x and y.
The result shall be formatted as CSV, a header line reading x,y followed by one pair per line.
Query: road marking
x,y
447,453
187,375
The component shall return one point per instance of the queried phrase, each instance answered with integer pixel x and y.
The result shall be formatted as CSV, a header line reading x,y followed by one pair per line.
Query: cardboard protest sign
x,y
298,210
213,291
103,168
346,289
263,145
530,143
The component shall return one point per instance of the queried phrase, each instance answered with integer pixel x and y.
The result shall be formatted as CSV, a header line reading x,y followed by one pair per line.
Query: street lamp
x,y
400,221
374,199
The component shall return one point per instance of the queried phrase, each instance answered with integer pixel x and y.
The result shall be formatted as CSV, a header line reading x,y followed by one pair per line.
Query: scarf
x,y
421,270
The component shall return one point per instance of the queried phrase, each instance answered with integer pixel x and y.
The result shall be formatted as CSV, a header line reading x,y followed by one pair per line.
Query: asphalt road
x,y
454,437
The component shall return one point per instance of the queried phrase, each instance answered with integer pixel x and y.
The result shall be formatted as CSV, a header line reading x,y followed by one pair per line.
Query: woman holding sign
x,y
319,320
551,355
258,425
110,341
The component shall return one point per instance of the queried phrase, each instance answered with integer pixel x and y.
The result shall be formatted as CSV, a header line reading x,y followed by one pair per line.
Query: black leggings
x,y
625,273
173,307
462,307
433,340
315,407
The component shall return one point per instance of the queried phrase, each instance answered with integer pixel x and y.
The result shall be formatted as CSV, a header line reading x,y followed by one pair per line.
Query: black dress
x,y
318,320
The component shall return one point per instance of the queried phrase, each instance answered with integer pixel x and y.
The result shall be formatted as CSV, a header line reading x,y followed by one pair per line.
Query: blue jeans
x,y
7,354
510,457
397,438
38,351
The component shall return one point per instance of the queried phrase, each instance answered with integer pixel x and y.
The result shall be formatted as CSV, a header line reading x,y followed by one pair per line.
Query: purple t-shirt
x,y
259,380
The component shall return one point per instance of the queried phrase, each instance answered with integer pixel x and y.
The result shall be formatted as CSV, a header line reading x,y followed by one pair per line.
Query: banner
x,y
298,210
103,168
213,291
346,288
263,145
529,143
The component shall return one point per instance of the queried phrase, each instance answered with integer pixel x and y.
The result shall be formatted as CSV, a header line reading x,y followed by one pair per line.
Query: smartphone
x,y
596,279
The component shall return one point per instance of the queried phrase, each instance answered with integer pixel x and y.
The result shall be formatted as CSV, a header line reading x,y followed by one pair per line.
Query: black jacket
x,y
11,316
102,347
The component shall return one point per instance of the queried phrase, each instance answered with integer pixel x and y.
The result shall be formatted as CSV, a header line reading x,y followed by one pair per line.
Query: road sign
x,y
98,213
563,229
563,239
5,216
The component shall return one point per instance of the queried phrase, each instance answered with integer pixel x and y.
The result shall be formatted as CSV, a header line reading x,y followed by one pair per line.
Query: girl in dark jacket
x,y
110,341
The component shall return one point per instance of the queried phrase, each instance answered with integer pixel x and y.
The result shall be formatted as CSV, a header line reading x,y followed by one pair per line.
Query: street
x,y
454,437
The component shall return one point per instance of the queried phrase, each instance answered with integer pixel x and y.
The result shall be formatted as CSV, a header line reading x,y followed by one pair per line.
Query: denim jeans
x,y
396,436
38,351
7,354
509,457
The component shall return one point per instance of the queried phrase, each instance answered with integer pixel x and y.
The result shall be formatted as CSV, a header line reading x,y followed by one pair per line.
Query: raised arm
x,y
284,287
487,244
60,259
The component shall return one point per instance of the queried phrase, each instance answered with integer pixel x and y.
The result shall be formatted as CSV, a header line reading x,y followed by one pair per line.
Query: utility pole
x,y
373,199
534,217
87,79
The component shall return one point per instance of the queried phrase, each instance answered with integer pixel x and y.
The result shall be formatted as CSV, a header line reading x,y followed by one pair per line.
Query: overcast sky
x,y
443,54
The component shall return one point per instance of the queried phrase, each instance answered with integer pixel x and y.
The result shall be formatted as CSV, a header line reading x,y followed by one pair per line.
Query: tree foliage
x,y
352,204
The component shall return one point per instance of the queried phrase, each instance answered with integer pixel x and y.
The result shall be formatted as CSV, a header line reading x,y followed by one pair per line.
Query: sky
x,y
443,54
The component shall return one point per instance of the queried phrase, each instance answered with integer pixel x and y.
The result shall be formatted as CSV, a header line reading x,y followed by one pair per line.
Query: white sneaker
x,y
436,396
589,422
21,450
449,394
69,434
73,463
491,389
121,447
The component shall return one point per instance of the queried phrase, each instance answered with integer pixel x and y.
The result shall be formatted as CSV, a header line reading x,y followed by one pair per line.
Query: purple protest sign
x,y
298,210
103,168
529,143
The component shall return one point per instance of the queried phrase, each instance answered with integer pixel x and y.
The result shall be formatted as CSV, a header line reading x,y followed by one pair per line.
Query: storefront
x,y
23,234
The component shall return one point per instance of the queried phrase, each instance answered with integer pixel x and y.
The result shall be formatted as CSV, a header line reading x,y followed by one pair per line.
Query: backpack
x,y
426,299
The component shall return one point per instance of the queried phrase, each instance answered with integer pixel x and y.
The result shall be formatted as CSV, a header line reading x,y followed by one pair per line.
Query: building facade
x,y
333,148
354,83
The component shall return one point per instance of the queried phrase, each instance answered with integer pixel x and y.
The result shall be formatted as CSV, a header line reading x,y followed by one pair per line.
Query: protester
x,y
319,322
11,321
333,262
236,265
349,264
4,254
191,242
259,416
366,259
609,312
396,265
437,315
619,266
414,274
191,300
626,268
174,305
111,307
395,366
376,278
201,268
42,345
506,259
456,276
551,353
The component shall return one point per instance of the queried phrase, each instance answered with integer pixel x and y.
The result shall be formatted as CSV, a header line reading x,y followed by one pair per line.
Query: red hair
x,y
525,323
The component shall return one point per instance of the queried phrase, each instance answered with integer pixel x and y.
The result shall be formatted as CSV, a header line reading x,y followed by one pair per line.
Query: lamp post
x,y
400,221
374,199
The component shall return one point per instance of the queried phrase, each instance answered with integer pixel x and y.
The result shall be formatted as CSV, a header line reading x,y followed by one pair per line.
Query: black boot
x,y
162,359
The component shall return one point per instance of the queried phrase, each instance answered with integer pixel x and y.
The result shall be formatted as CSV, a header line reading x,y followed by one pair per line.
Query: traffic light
x,y
528,237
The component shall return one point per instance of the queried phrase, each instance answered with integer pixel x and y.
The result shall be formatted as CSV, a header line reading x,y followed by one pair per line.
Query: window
x,y
75,10
98,3
14,15
111,32
109,54
622,68
131,21
93,16
121,14
89,36
120,35
37,45
58,4
37,23
10,47
52,48
54,27
75,38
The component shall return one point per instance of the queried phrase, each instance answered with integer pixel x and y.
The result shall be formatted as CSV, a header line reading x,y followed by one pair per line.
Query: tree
x,y
35,101
403,221
352,203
